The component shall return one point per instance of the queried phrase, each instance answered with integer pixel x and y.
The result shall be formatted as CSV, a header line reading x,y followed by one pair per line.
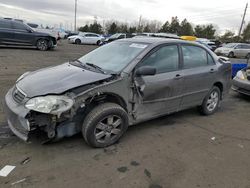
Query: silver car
x,y
119,84
231,50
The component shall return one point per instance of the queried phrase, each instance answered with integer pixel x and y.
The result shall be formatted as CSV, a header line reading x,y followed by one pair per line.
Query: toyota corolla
x,y
119,84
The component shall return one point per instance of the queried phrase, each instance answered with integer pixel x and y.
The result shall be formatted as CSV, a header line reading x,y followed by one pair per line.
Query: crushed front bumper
x,y
16,117
241,86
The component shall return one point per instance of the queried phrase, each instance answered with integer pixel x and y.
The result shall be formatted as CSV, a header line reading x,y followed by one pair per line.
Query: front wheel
x,y
231,55
42,44
105,125
211,102
78,41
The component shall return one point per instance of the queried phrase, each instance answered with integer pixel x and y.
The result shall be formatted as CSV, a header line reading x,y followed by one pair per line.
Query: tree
x,y
132,29
112,29
165,27
84,28
123,28
246,33
227,37
174,25
95,28
186,28
205,31
146,29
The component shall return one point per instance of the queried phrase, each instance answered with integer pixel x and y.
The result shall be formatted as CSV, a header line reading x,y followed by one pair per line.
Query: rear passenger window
x,y
5,24
165,59
194,56
19,26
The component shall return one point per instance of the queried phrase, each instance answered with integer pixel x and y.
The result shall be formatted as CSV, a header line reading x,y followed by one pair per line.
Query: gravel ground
x,y
176,151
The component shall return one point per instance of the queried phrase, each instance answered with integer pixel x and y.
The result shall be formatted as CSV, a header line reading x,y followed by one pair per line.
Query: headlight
x,y
240,75
50,104
22,76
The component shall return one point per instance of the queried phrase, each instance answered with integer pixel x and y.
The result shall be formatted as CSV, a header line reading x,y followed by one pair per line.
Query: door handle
x,y
177,76
212,70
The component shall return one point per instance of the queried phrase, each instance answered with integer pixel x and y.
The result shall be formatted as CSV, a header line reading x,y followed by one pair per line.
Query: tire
x,y
104,125
98,43
211,102
42,44
78,41
231,55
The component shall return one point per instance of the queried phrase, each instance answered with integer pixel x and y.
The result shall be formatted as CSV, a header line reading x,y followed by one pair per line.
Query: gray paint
x,y
58,79
145,97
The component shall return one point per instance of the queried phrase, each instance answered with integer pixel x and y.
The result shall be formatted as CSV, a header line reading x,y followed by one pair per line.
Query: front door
x,y
22,34
159,94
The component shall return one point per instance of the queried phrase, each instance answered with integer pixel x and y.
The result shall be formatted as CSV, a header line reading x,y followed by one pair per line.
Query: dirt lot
x,y
183,150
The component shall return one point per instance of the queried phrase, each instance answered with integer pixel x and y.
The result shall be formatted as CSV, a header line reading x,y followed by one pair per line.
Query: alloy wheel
x,y
108,129
212,101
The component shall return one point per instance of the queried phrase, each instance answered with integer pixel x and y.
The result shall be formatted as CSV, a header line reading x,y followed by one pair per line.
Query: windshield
x,y
115,35
230,45
114,56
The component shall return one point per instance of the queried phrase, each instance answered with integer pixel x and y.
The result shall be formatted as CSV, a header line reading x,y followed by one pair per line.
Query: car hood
x,y
56,80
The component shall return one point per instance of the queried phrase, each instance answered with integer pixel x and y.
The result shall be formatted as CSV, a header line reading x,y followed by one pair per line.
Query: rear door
x,y
6,32
239,50
90,38
161,93
199,73
23,34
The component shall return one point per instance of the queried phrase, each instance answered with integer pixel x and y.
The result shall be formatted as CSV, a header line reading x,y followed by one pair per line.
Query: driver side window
x,y
165,59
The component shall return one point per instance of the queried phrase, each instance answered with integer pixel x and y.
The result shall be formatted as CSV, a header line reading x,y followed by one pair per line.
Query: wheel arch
x,y
106,97
220,86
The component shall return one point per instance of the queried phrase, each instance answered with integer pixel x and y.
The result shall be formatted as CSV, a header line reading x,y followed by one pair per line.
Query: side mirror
x,y
145,71
29,30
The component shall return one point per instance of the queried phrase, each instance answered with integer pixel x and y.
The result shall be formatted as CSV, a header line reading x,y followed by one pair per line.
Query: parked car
x,y
86,38
234,50
166,35
144,34
51,32
71,33
241,82
18,33
119,84
117,36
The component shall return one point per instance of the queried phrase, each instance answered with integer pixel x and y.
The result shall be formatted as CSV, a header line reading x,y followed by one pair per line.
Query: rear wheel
x,y
78,41
231,54
42,44
211,102
104,125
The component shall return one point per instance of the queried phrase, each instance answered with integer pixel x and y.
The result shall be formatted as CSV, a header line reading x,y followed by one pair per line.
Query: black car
x,y
17,33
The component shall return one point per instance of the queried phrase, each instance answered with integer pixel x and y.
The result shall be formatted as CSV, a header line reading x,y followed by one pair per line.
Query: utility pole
x,y
139,24
75,13
243,20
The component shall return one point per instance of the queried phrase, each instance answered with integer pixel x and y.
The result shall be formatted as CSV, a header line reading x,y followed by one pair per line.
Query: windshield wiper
x,y
96,67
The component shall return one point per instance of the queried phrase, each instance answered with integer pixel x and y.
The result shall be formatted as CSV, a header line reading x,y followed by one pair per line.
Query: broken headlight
x,y
50,104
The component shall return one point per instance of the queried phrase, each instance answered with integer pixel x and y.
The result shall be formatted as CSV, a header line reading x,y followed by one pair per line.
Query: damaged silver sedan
x,y
120,84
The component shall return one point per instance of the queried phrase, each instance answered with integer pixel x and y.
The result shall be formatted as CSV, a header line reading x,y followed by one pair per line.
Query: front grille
x,y
18,95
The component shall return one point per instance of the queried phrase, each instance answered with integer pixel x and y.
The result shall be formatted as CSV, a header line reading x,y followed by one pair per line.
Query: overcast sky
x,y
226,14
